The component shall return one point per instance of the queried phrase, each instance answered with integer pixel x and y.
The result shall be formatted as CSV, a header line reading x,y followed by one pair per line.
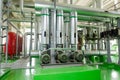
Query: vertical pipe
x,y
54,23
45,28
108,45
36,35
118,24
6,54
52,36
30,49
1,2
73,25
60,26
67,34
40,32
23,45
8,12
100,41
17,44
53,33
76,31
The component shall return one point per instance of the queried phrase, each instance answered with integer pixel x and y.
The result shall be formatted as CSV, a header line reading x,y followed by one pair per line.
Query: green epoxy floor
x,y
107,73
110,72
19,74
69,72
3,71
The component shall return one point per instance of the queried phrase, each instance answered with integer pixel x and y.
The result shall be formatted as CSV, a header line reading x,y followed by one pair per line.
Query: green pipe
x,y
87,18
90,26
80,10
17,11
16,20
93,19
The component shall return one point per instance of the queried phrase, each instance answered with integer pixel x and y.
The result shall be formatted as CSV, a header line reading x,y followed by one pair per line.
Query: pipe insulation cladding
x,y
60,27
45,26
73,29
67,32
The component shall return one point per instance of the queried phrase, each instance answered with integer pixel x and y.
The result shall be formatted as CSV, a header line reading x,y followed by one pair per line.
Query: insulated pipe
x,y
85,18
67,32
73,29
45,26
53,33
25,42
37,30
60,26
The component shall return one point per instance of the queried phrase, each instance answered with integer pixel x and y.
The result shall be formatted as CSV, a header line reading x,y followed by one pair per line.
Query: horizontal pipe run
x,y
18,20
90,26
80,10
86,18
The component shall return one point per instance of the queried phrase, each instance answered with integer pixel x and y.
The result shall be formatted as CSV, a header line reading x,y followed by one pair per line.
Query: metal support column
x,y
36,34
23,45
30,49
118,24
17,44
1,2
53,32
7,23
108,45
